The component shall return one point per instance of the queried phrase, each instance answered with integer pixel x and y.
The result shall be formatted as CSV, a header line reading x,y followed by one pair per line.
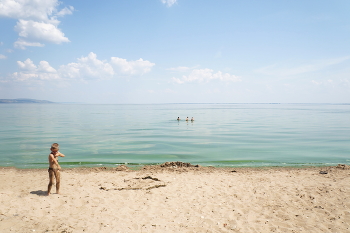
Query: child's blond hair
x,y
55,146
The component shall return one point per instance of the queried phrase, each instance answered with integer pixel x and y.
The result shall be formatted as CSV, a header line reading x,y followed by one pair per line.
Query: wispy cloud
x,y
169,3
180,69
22,44
279,70
37,21
322,83
204,76
345,82
2,56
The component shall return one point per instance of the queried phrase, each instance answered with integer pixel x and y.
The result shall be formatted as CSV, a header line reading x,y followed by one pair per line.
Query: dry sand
x,y
177,199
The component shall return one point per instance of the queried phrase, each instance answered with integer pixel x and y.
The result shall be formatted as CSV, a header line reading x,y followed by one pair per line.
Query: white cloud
x,y
169,3
37,10
85,68
37,21
35,31
29,71
45,67
131,67
206,75
2,56
27,65
28,9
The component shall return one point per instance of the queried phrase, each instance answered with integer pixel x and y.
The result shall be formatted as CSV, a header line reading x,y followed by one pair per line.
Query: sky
x,y
175,51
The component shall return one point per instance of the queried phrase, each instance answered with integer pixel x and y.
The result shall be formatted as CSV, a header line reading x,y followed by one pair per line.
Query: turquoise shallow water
x,y
221,135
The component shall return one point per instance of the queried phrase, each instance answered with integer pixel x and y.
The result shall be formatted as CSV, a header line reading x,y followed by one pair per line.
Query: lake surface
x,y
221,135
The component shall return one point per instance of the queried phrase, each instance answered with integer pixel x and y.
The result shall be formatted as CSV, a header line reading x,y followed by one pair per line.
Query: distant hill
x,y
24,101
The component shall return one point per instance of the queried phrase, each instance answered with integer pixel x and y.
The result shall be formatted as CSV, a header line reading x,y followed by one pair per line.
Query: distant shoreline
x,y
24,101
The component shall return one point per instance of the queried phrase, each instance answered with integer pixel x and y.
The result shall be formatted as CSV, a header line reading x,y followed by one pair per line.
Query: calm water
x,y
221,135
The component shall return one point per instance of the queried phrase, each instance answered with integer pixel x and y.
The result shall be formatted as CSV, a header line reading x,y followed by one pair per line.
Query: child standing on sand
x,y
54,168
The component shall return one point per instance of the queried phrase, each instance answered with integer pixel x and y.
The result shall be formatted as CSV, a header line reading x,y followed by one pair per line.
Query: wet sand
x,y
177,199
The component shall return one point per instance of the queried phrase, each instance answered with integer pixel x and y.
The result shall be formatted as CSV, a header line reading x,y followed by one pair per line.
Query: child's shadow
x,y
39,193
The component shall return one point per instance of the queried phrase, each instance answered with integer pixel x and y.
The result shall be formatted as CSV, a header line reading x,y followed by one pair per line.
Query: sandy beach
x,y
177,199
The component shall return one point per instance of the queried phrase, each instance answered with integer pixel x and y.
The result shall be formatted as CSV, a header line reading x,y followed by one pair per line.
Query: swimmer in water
x,y
186,118
192,119
178,118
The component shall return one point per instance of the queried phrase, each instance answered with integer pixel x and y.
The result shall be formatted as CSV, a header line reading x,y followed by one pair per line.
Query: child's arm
x,y
54,161
60,154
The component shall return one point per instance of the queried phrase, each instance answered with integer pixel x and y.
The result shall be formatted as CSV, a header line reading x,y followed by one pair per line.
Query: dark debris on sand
x,y
177,167
122,168
343,166
177,164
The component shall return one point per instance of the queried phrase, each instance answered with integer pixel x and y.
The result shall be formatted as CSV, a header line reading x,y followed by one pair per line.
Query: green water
x,y
221,135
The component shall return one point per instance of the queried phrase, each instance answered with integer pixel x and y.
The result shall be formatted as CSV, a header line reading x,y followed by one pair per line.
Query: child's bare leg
x,y
51,175
58,181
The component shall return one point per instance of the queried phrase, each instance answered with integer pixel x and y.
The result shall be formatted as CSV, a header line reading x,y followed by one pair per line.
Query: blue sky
x,y
175,51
